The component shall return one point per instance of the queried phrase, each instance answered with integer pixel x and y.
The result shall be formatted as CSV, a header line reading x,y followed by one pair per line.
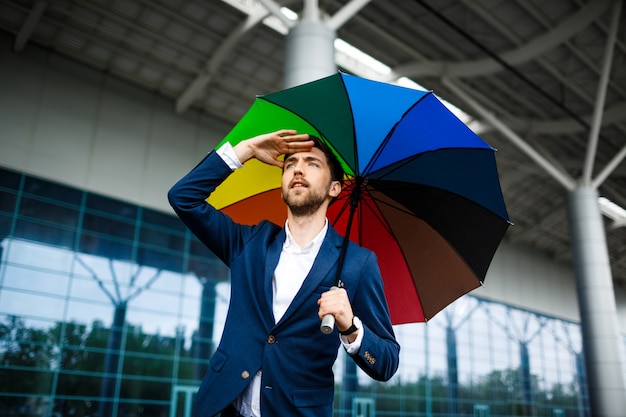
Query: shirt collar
x,y
291,246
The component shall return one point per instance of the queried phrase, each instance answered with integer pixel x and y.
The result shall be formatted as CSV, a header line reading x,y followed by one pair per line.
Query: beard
x,y
304,204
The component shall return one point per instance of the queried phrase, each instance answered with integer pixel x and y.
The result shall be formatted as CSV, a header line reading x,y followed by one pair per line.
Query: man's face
x,y
306,183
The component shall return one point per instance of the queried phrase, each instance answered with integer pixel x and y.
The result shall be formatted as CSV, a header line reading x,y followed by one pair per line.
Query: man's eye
x,y
313,164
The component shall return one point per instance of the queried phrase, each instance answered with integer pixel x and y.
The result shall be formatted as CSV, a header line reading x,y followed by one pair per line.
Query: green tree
x,y
25,362
75,360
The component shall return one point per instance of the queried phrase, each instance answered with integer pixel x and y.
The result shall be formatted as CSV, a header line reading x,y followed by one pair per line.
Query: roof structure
x,y
528,74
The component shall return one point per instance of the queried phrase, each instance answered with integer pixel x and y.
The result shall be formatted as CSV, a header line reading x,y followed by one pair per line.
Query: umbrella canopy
x,y
427,195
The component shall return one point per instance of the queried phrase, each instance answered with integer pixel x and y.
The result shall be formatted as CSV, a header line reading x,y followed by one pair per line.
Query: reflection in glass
x,y
36,231
48,190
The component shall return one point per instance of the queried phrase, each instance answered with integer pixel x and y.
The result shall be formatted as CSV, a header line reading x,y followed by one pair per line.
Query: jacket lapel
x,y
326,258
271,260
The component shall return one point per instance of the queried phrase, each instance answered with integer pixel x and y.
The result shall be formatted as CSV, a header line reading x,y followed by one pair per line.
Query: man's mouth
x,y
298,184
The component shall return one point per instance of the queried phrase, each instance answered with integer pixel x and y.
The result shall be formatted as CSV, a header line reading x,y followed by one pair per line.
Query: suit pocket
x,y
312,397
218,360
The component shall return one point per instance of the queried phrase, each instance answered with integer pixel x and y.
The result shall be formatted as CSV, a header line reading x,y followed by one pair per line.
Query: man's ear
x,y
335,189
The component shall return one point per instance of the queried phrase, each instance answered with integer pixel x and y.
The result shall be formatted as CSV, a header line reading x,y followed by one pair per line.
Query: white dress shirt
x,y
293,267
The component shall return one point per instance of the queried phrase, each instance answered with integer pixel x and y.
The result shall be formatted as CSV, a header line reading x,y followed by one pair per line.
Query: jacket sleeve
x,y
188,198
379,353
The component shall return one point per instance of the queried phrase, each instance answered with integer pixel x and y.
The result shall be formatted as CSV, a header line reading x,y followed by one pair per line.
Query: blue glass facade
x,y
110,309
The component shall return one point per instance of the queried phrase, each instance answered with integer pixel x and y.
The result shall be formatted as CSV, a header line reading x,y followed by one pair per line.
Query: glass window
x,y
105,247
197,248
52,191
7,201
105,225
161,259
110,207
49,212
162,221
9,180
5,226
125,303
162,239
53,234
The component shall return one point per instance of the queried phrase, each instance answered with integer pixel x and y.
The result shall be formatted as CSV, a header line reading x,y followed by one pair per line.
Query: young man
x,y
272,360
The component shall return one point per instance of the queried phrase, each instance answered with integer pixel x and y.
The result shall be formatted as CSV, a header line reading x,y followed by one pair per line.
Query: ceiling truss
x,y
544,82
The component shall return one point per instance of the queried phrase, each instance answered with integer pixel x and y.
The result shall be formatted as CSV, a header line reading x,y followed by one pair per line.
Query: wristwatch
x,y
356,325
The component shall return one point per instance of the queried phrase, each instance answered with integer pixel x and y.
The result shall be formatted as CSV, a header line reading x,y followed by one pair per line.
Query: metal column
x,y
597,306
310,53
598,312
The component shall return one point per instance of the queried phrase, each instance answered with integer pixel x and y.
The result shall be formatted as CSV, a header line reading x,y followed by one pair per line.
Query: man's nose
x,y
297,169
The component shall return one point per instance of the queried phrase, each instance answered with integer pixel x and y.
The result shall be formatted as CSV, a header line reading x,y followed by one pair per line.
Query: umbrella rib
x,y
377,213
384,142
346,204
398,207
355,149
402,162
321,135
381,218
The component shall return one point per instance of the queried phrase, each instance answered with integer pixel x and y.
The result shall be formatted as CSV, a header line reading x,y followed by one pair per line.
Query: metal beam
x,y
609,168
274,9
594,134
30,24
612,115
566,29
197,86
346,13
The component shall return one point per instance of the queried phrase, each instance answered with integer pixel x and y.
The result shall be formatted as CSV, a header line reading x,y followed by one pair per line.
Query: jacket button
x,y
271,339
245,374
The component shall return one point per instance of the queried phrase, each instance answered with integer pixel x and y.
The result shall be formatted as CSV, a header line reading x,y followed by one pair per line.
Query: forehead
x,y
314,153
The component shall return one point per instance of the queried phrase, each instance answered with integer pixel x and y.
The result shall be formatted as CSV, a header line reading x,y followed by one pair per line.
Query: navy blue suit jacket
x,y
295,357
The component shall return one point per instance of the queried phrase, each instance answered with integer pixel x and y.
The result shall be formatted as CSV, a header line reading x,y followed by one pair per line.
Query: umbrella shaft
x,y
355,197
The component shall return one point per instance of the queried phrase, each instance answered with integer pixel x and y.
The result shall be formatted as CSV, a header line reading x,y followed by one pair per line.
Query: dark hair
x,y
336,170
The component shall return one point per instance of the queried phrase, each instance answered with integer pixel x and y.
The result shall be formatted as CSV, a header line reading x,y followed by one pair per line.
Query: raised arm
x,y
268,147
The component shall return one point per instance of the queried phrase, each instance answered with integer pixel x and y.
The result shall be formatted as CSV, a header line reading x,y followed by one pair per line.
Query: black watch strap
x,y
350,329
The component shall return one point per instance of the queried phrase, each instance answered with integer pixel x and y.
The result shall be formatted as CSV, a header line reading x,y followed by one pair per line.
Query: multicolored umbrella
x,y
425,189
